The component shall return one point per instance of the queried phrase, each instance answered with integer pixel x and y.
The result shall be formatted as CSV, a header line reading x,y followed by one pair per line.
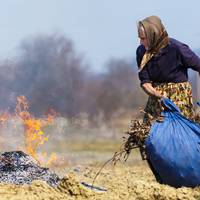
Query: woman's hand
x,y
150,90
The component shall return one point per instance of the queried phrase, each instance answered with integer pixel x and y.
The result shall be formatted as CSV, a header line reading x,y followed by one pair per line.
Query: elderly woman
x,y
163,65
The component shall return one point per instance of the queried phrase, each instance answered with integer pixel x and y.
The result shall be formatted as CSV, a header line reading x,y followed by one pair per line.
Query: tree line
x,y
51,74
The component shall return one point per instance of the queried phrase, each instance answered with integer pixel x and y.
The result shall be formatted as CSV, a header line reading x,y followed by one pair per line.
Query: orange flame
x,y
34,136
4,117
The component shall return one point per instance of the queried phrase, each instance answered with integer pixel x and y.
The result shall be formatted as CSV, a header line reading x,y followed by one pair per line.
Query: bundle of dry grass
x,y
137,133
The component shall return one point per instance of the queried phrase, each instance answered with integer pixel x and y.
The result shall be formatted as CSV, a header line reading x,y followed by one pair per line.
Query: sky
x,y
100,29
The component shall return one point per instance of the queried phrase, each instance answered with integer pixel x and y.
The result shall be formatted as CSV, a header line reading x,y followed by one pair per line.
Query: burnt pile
x,y
16,167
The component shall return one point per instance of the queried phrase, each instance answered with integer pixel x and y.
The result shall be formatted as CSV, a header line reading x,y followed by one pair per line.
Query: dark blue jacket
x,y
169,65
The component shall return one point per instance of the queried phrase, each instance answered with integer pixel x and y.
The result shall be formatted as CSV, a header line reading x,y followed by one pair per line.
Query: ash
x,y
16,167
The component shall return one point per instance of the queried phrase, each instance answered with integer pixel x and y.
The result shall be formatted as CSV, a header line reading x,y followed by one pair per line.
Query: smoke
x,y
51,74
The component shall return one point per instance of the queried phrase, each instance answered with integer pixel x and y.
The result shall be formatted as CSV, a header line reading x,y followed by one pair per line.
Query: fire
x,y
34,135
49,160
33,129
4,117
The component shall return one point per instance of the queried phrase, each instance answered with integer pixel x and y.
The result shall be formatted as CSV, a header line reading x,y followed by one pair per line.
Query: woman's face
x,y
142,37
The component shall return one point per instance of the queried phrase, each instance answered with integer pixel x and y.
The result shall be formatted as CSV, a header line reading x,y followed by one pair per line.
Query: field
x,y
79,152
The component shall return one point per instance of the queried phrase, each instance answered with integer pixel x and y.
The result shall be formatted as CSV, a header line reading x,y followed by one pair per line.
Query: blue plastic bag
x,y
173,148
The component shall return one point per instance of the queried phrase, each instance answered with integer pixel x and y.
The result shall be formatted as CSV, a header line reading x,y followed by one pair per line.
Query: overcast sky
x,y
100,29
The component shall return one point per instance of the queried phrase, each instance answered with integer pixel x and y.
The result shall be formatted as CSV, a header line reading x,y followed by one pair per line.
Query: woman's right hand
x,y
150,90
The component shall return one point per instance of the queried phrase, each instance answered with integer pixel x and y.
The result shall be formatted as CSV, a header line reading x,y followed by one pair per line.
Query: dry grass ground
x,y
80,154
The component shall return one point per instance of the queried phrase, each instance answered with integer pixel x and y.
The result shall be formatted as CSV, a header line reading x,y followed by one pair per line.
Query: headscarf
x,y
156,35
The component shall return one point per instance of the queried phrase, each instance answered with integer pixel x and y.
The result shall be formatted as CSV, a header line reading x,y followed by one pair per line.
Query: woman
x,y
163,65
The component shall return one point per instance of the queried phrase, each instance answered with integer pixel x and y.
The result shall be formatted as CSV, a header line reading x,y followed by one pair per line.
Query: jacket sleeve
x,y
189,58
144,76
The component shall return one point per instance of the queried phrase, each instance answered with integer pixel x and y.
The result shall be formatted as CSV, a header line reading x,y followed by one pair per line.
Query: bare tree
x,y
51,74
119,90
